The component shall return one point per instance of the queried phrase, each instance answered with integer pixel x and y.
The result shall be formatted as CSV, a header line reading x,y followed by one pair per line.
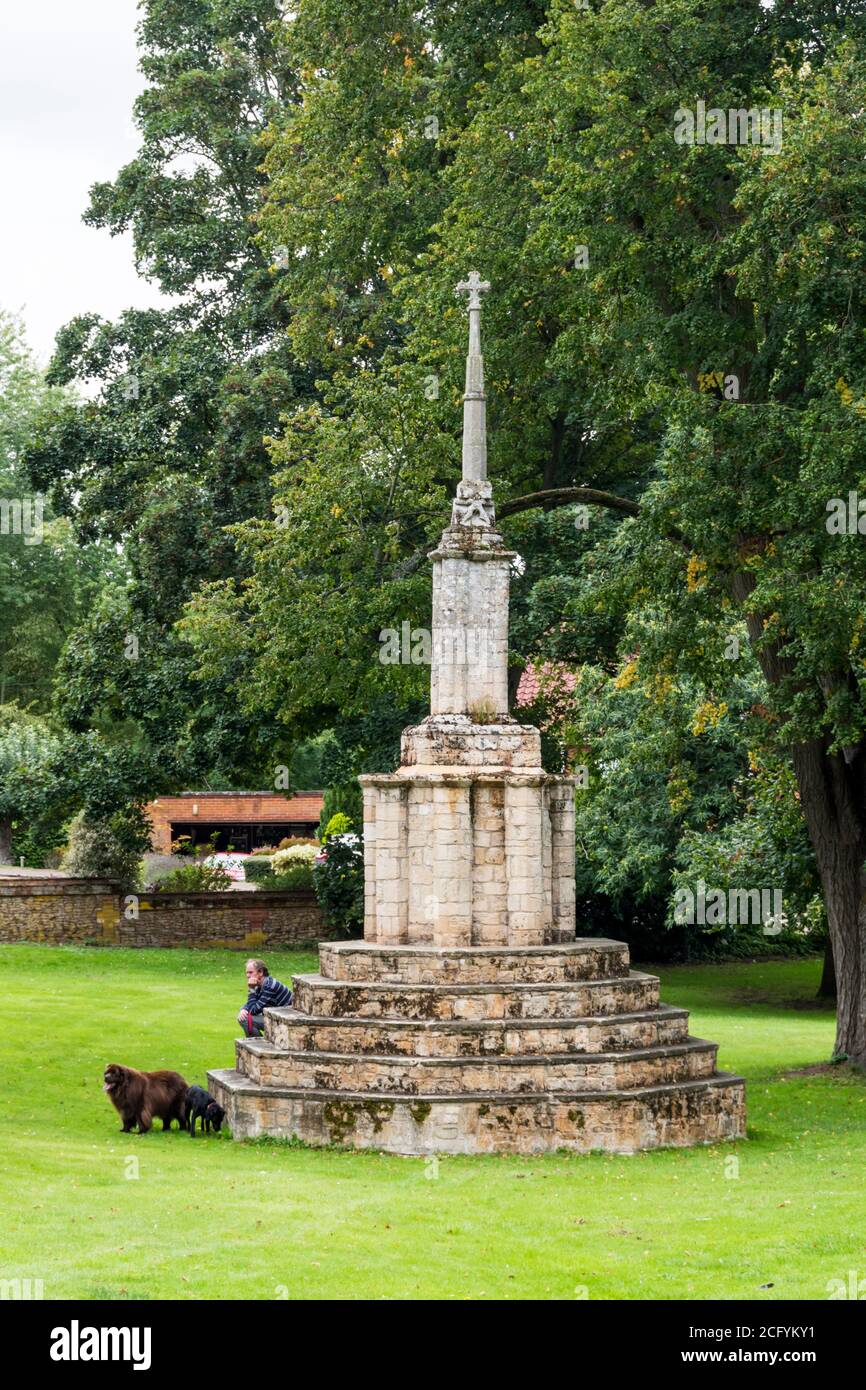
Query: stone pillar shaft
x,y
421,866
561,800
524,861
470,636
371,798
451,830
489,890
386,885
469,859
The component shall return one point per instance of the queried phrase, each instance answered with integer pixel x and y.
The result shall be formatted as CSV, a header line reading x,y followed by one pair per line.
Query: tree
x,y
363,477
32,806
47,581
48,775
676,336
170,450
731,267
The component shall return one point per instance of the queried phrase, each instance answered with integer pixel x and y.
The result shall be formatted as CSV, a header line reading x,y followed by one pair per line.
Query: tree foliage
x,y
676,331
169,450
47,580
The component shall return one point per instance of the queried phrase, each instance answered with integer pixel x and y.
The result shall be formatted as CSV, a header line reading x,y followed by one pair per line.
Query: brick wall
x,y
92,912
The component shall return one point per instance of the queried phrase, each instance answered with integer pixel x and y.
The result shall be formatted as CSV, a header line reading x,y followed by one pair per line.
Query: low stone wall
x,y
92,912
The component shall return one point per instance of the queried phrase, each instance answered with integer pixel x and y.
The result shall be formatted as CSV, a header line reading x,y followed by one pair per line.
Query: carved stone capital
x,y
473,506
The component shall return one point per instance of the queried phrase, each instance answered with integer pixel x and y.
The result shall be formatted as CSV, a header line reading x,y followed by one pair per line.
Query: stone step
x,y
687,1112
292,1031
323,998
591,958
268,1065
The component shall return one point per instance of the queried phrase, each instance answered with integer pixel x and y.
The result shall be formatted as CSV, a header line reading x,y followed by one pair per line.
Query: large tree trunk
x,y
827,987
831,797
5,841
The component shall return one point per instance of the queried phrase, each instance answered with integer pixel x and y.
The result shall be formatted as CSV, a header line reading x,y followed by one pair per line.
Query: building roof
x,y
547,678
210,794
239,806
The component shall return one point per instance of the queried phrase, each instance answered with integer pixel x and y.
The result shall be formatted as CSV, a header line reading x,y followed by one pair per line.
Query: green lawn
x,y
97,1214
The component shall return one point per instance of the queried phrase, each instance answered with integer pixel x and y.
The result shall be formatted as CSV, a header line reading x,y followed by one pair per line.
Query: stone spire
x,y
474,401
469,669
473,521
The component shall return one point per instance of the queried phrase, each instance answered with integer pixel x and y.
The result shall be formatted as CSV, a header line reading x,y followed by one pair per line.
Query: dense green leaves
x,y
170,450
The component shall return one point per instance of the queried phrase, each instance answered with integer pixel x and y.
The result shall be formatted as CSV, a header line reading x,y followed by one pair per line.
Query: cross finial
x,y
475,287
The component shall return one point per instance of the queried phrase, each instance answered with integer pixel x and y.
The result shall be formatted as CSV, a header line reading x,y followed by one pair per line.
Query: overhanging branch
x,y
567,496
564,497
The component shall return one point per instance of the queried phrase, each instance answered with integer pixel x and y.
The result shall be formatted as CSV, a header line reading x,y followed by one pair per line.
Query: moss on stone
x,y
340,1117
379,1111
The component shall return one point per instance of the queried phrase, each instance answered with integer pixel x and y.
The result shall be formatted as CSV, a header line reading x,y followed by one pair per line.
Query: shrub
x,y
195,878
345,799
294,876
651,939
295,854
291,840
340,824
266,849
339,884
105,849
257,870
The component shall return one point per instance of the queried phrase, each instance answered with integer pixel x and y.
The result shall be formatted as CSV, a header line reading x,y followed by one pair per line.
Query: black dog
x,y
200,1105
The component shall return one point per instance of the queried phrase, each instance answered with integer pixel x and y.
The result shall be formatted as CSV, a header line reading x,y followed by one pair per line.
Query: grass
x,y
96,1214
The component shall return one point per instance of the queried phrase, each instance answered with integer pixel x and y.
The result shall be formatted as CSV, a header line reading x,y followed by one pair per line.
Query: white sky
x,y
68,79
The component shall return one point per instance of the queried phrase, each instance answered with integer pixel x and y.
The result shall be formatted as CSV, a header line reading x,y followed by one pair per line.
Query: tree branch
x,y
567,496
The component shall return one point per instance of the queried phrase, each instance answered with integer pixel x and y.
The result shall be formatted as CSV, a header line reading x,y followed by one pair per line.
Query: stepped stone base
x,y
620,1122
423,1049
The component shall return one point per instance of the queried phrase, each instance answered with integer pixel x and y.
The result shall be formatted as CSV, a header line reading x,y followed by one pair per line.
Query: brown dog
x,y
140,1097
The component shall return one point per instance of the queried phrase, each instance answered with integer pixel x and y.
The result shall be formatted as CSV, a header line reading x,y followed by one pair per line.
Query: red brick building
x,y
244,820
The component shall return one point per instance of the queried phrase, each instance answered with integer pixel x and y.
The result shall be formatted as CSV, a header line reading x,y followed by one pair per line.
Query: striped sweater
x,y
270,994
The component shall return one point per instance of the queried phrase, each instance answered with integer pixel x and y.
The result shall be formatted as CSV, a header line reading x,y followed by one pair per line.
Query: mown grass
x,y
97,1214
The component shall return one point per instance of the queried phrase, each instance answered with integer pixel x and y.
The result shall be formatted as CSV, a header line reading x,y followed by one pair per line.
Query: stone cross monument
x,y
470,1019
470,842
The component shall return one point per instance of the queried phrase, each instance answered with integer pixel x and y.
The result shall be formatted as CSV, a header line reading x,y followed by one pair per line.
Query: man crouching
x,y
265,993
